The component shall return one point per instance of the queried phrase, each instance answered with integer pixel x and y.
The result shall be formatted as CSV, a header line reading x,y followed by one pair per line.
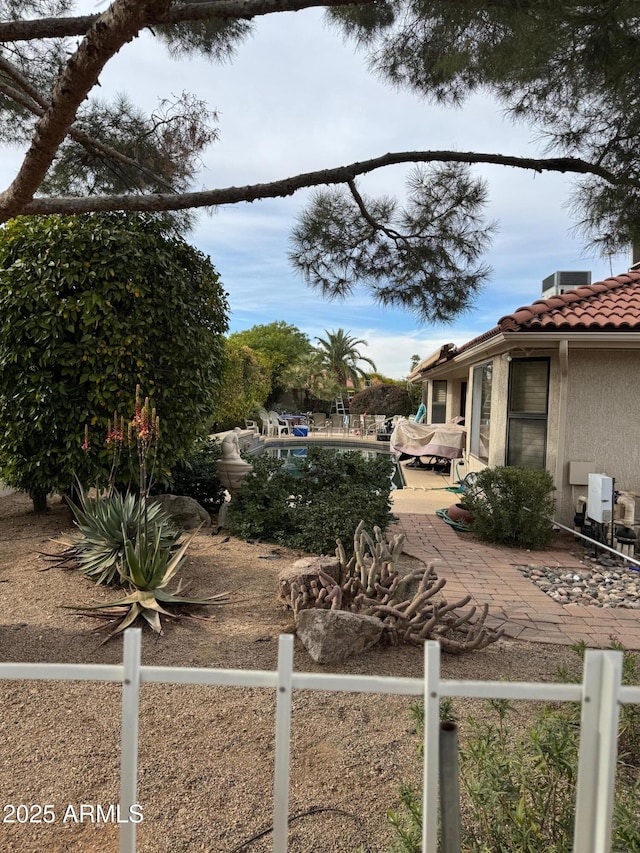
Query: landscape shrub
x,y
309,505
381,400
90,307
512,506
143,550
197,476
518,791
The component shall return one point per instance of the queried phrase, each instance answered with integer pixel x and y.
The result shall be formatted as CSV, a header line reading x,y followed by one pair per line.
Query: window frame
x,y
527,416
477,405
442,407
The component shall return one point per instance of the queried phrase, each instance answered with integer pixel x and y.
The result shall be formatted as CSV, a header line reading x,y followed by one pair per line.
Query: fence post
x,y
598,751
129,738
282,745
449,789
430,759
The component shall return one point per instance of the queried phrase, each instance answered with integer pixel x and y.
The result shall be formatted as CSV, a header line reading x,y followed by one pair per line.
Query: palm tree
x,y
340,357
309,374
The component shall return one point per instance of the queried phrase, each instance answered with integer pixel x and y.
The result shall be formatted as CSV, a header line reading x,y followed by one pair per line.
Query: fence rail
x,y
600,695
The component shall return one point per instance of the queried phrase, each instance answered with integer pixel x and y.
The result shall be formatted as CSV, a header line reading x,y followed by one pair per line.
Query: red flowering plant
x,y
106,520
130,537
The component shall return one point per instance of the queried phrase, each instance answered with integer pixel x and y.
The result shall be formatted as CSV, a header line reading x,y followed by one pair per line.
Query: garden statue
x,y
230,445
232,469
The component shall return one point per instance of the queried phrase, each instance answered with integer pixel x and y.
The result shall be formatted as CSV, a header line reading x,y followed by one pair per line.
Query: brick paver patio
x,y
488,574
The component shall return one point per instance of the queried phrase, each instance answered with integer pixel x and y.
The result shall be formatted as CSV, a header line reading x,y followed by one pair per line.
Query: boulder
x,y
306,568
332,636
185,512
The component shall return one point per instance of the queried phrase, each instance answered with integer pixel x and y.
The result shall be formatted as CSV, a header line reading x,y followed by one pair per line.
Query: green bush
x,y
197,476
308,506
381,400
518,791
512,506
90,307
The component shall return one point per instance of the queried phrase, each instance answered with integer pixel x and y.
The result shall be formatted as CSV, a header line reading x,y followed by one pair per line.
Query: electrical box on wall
x,y
600,498
579,472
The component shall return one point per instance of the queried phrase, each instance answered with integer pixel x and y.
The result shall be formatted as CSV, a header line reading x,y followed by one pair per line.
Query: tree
x,y
308,374
244,386
90,307
340,357
381,400
565,67
278,345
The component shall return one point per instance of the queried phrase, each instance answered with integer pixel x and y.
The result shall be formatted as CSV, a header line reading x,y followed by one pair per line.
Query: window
x,y
438,401
527,412
481,411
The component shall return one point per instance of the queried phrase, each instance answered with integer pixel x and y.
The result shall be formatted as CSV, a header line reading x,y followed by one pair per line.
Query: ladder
x,y
338,406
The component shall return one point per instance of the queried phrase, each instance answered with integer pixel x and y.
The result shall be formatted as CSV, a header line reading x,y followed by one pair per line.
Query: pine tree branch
x,y
394,235
289,186
41,28
119,25
31,100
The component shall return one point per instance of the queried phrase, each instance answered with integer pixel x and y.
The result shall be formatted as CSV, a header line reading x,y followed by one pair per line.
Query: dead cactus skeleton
x,y
409,606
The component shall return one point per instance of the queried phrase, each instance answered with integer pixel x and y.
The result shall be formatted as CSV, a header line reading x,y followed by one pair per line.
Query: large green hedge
x,y
91,306
381,399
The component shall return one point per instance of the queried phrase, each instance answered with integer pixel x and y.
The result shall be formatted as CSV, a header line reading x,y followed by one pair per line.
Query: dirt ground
x,y
206,753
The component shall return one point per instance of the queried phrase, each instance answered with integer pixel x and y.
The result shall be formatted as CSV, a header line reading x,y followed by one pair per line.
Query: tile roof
x,y
605,306
612,304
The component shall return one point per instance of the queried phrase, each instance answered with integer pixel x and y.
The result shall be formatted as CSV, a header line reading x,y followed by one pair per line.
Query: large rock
x,y
185,512
332,636
306,569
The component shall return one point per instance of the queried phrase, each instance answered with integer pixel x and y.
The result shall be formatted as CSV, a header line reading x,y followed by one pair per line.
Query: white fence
x,y
600,693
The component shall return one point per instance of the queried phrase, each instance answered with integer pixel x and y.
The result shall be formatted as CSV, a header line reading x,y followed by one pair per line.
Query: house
x,y
555,384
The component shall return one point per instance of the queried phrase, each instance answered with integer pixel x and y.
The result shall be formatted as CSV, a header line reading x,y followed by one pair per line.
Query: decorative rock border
x,y
601,584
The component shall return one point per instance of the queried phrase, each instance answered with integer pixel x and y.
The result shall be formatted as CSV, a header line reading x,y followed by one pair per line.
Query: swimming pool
x,y
293,449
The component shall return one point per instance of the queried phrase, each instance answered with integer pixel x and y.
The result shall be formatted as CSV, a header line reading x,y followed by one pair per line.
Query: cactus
x,y
410,606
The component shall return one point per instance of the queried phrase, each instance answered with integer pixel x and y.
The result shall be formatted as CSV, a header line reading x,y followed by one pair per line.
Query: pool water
x,y
289,453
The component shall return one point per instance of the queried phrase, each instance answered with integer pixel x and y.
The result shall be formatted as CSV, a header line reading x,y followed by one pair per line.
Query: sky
x,y
297,98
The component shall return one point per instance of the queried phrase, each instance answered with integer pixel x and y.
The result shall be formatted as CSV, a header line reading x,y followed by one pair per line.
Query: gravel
x,y
206,754
602,583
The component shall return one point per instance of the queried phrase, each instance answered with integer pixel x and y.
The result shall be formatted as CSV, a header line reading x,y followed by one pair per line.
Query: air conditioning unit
x,y
559,282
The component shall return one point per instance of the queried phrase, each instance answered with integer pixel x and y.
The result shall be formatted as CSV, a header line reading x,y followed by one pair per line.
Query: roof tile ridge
x,y
559,300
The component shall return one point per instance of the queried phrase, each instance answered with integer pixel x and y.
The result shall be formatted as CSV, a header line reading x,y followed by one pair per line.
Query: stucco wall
x,y
603,419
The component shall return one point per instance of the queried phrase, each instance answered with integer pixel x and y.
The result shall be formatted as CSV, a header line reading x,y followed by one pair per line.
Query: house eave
x,y
522,343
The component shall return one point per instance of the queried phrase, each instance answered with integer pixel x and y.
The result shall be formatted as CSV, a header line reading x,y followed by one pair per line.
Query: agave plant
x,y
97,547
147,569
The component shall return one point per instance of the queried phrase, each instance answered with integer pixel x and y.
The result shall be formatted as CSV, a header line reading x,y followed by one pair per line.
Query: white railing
x,y
600,694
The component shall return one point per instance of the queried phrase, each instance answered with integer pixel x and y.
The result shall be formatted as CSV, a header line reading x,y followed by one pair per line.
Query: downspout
x,y
561,440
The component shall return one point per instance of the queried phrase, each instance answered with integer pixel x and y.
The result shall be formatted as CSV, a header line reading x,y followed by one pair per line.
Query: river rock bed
x,y
602,583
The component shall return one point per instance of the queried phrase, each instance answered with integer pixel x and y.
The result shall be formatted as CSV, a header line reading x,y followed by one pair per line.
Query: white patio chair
x,y
338,424
278,425
267,426
319,422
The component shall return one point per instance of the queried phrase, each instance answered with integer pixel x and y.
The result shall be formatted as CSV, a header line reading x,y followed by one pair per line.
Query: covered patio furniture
x,y
440,441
